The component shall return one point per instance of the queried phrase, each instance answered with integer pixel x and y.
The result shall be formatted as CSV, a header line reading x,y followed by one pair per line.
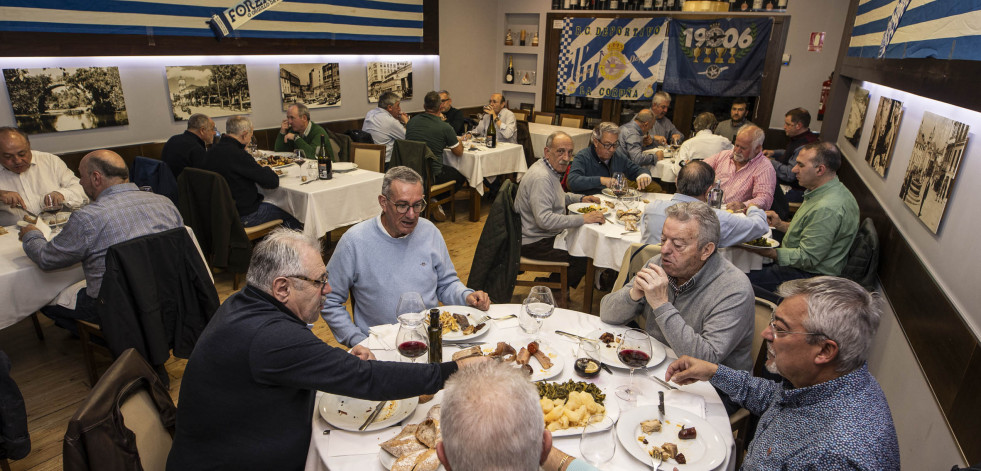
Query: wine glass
x,y
619,184
253,146
409,301
537,307
634,351
412,339
675,141
598,443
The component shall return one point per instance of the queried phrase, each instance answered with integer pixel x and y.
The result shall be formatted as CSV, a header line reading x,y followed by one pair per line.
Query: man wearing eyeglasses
x,y
398,252
593,167
451,115
835,415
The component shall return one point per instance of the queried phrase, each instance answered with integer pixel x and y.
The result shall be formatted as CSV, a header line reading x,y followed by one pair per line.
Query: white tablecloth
x,y
569,321
667,168
475,165
25,288
540,132
348,198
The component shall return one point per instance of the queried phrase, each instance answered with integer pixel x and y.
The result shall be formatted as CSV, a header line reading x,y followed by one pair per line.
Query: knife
x,y
606,368
660,405
661,382
373,416
577,337
309,181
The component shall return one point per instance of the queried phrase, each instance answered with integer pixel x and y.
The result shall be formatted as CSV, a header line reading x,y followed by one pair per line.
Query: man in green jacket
x,y
298,132
817,240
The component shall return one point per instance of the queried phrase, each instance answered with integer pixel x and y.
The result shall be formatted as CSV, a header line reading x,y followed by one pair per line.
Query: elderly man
x,y
189,148
249,386
229,159
835,415
503,118
694,182
119,212
663,132
593,167
796,124
542,203
379,259
31,179
451,115
634,138
428,127
747,177
492,402
692,298
737,115
819,237
704,144
299,132
386,123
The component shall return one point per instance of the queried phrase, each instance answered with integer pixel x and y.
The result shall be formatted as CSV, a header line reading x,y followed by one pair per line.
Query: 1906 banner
x,y
618,58
722,57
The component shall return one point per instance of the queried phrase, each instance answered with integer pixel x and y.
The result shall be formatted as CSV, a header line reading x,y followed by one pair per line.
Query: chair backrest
x,y
863,257
524,138
206,204
152,438
520,115
543,118
359,136
572,120
764,309
633,260
417,156
494,268
15,440
369,156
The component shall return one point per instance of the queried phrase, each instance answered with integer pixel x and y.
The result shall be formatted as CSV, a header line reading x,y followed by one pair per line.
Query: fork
x,y
656,461
486,318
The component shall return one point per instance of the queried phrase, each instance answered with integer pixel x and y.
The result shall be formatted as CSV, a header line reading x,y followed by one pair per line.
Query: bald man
x,y
119,212
30,179
496,110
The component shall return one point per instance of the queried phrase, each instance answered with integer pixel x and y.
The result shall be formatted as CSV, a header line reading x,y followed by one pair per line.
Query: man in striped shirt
x,y
747,177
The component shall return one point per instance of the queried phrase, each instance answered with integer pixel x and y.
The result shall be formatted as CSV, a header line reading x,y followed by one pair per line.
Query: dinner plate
x,y
538,373
628,192
612,411
705,452
280,173
472,315
387,460
268,153
773,244
575,207
344,166
348,413
608,353
50,218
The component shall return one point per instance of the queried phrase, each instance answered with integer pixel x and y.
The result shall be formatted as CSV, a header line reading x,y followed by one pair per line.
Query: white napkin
x,y
344,443
382,337
507,323
686,401
68,296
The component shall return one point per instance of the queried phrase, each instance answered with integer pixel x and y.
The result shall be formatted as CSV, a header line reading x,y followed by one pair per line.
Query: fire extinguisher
x,y
825,91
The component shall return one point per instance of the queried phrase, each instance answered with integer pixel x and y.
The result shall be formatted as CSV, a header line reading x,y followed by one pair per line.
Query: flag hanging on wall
x,y
617,58
902,29
721,57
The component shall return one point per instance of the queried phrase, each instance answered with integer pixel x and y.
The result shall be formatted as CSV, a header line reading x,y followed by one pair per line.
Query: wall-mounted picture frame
x,y
56,99
933,166
884,132
215,90
317,85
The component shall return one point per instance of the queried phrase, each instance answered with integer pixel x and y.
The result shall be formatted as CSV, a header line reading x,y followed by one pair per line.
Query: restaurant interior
x,y
927,351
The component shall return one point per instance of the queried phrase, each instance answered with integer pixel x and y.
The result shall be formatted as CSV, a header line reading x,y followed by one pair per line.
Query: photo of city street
x,y
884,132
389,77
66,98
933,167
215,90
314,85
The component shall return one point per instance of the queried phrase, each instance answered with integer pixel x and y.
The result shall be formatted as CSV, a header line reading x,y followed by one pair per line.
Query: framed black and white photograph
x,y
389,77
933,167
58,99
215,90
884,132
856,116
314,85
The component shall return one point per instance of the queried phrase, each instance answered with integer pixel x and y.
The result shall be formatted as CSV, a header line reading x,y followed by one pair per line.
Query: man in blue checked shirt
x,y
834,416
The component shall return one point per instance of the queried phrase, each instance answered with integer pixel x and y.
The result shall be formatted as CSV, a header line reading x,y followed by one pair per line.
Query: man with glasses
x,y
189,149
379,259
451,115
249,387
834,415
593,167
496,110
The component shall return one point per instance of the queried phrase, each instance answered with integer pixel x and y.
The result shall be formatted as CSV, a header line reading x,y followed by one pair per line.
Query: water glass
x,y
598,442
409,302
537,307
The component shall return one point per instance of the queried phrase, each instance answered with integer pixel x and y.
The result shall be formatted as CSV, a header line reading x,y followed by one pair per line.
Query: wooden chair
x,y
633,260
739,421
369,156
562,268
4,466
572,120
543,118
520,115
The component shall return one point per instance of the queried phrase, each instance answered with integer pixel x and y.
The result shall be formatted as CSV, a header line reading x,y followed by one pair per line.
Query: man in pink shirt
x,y
747,177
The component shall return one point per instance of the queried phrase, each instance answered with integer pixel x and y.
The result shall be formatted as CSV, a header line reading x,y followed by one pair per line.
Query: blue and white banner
x,y
235,17
355,20
721,57
902,29
618,58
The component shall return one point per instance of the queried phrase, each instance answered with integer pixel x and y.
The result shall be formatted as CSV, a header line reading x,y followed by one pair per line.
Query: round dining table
x,y
334,449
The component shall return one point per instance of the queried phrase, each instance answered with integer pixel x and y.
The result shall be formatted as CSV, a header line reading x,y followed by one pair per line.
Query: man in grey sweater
x,y
541,202
692,298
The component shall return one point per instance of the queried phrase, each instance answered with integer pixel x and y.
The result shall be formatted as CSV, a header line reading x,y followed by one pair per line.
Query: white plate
x,y
387,460
608,354
630,192
612,411
49,218
773,244
348,413
705,452
574,207
538,373
344,166
268,153
472,315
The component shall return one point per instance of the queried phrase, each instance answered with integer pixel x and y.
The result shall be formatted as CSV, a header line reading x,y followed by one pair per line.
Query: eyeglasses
x,y
610,146
321,283
402,208
780,332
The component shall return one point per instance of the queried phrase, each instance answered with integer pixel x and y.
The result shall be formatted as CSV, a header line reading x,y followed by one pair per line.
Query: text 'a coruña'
x,y
609,92
610,31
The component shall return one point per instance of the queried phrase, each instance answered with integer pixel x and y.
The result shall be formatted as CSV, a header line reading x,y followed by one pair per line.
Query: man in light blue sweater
x,y
379,259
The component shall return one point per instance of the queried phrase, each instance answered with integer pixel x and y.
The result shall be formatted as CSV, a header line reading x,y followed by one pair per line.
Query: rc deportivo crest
x,y
614,64
714,36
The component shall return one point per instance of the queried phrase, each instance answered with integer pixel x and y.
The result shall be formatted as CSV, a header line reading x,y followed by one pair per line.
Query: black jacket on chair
x,y
15,441
207,206
156,295
495,262
155,174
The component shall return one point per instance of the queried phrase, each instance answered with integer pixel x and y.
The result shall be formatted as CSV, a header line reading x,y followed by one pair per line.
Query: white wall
x,y
800,82
468,49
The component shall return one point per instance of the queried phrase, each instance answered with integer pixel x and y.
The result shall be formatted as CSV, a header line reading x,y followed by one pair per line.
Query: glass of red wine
x,y
412,339
634,351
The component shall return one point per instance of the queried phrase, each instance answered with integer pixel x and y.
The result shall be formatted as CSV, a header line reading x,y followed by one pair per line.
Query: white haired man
x,y
298,131
189,148
634,138
593,167
664,131
747,177
703,144
496,110
386,123
835,415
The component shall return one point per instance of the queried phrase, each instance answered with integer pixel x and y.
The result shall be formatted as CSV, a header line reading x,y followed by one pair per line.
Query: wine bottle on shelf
x,y
782,5
324,164
658,5
733,6
668,5
556,4
509,77
681,5
614,5
757,5
648,5
435,332
491,139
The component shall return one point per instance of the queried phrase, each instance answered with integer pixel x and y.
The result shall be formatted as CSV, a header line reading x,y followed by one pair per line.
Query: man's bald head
x,y
101,169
